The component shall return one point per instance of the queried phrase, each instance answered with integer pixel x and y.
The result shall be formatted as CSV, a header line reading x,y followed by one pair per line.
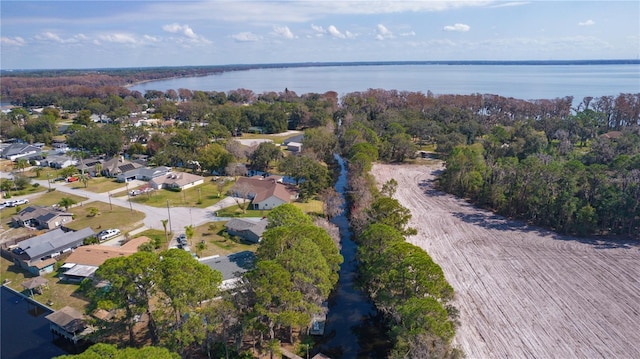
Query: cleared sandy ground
x,y
524,292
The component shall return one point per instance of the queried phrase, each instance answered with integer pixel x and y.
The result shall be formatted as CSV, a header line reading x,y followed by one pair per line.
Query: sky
x,y
116,34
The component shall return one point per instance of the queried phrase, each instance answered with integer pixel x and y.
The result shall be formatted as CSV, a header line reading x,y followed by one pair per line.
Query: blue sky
x,y
98,34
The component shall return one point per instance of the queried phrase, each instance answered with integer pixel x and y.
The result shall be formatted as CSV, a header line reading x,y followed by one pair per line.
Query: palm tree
x,y
21,164
201,246
66,202
189,231
164,225
84,178
98,169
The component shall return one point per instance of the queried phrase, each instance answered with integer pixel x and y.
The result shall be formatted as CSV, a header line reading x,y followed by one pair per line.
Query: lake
x,y
519,81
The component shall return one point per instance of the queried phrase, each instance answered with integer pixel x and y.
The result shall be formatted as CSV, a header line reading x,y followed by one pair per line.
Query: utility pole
x,y
110,205
169,212
128,196
49,180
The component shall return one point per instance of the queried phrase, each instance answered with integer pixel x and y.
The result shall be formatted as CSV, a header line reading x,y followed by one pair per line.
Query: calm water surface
x,y
25,331
352,329
519,81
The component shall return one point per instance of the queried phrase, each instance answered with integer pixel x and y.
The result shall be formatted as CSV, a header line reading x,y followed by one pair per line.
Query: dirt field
x,y
524,292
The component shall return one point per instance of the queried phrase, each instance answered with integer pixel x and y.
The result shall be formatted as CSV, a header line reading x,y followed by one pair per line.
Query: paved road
x,y
180,216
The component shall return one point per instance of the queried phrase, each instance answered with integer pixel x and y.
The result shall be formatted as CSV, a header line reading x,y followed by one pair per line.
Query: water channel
x,y
353,328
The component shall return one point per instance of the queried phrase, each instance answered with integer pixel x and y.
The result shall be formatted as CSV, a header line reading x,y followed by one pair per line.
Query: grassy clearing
x,y
100,185
201,196
277,139
313,207
118,217
58,294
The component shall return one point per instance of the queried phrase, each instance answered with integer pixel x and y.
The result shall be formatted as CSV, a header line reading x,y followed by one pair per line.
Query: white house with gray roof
x,y
37,254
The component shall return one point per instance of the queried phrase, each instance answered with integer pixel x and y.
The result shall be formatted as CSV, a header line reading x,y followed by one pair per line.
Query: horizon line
x,y
247,66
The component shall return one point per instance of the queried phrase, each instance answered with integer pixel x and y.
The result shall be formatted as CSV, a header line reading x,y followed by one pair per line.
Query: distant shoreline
x,y
243,67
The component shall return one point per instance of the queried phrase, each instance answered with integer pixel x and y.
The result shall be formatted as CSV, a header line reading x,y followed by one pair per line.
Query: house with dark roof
x,y
232,267
37,254
266,193
20,150
41,218
117,165
248,229
69,323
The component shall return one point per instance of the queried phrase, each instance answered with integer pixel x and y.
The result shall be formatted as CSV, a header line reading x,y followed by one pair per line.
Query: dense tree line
x,y
572,168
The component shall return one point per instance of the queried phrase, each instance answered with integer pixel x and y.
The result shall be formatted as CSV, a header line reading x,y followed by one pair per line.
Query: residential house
x,y
118,165
143,173
248,229
266,193
88,165
176,180
41,217
232,267
85,260
58,161
20,150
37,254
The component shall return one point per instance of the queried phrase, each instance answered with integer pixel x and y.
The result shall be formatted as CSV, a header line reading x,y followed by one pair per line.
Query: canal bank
x,y
353,328
24,330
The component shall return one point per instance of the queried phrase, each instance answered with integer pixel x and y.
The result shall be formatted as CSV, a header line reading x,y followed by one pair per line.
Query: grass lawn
x,y
120,217
30,189
156,234
277,139
46,199
100,185
313,207
206,194
216,243
58,293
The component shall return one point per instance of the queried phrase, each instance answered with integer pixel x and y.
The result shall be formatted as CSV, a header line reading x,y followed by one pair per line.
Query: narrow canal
x,y
352,329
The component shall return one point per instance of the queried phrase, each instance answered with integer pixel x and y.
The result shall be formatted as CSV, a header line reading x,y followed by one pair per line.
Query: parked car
x,y
72,179
108,233
134,193
182,239
16,202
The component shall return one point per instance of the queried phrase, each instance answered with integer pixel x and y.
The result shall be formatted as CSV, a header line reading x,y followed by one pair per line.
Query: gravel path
x,y
522,291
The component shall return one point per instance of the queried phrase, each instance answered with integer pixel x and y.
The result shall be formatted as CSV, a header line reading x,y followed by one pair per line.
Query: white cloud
x,y
176,28
49,36
409,33
16,41
457,27
383,33
510,4
283,31
245,37
335,32
319,29
118,38
587,23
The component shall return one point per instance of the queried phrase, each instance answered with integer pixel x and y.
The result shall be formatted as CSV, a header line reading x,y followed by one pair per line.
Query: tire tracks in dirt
x,y
523,291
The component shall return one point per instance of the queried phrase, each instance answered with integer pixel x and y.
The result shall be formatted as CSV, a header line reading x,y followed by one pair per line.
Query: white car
x,y
108,233
16,202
